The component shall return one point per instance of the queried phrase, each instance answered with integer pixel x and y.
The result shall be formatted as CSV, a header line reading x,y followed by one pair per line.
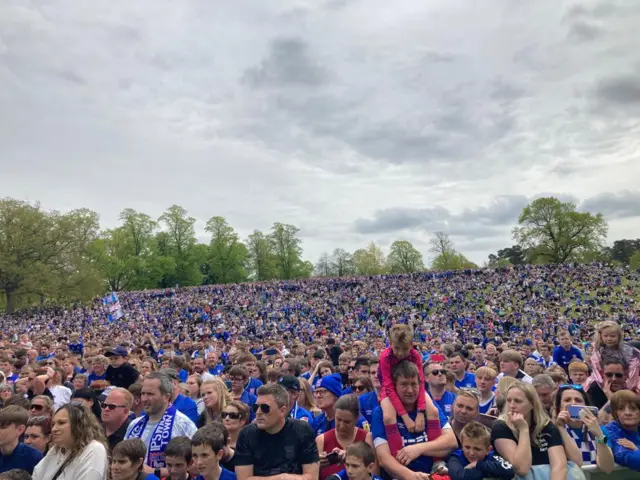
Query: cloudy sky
x,y
356,120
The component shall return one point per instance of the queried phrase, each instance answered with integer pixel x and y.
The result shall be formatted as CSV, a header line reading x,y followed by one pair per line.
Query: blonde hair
x,y
487,372
539,417
597,340
309,402
224,399
505,384
401,334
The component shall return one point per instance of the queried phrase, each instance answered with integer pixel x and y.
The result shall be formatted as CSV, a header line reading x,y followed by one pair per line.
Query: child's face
x,y
578,377
610,337
356,469
177,467
485,383
565,341
205,460
474,449
401,351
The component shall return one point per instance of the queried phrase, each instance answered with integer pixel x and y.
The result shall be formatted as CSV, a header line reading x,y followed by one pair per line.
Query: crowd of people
x,y
519,372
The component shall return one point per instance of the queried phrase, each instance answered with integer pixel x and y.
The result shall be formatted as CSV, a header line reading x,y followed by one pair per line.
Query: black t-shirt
x,y
548,437
123,376
283,452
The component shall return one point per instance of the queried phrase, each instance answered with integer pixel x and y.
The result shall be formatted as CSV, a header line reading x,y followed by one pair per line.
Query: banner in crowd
x,y
113,305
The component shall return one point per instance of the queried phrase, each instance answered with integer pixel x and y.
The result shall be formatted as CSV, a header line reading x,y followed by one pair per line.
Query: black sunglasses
x,y
38,408
111,406
233,415
614,374
359,388
437,372
263,407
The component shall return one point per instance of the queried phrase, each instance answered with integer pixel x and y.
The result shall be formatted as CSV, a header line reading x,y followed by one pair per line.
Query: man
x,y
465,410
214,366
334,350
115,415
545,359
415,460
458,366
198,366
136,409
370,400
510,366
160,423
6,366
238,376
615,379
436,377
292,385
290,367
120,373
13,454
45,353
327,392
183,403
250,364
276,445
566,351
546,389
478,356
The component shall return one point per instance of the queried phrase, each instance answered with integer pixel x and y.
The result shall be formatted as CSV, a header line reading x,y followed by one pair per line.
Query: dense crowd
x,y
504,373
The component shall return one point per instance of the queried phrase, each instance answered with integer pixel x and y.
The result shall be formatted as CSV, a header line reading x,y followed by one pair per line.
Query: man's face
x,y
544,351
153,401
212,359
373,375
177,467
509,368
362,371
565,341
485,383
268,415
44,351
10,434
478,352
198,365
6,367
352,370
474,449
114,411
252,368
465,409
437,375
546,396
293,398
615,376
324,398
526,350
237,383
407,389
456,364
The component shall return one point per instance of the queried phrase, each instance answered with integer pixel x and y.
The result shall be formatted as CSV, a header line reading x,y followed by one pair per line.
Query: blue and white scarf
x,y
159,438
588,446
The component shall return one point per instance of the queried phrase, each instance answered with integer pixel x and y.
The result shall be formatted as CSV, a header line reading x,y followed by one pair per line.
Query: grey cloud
x,y
288,63
71,77
622,90
581,30
624,204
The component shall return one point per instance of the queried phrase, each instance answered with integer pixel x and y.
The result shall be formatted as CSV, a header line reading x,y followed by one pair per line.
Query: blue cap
x,y
119,351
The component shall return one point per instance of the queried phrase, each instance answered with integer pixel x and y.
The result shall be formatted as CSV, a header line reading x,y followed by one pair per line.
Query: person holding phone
x,y
585,443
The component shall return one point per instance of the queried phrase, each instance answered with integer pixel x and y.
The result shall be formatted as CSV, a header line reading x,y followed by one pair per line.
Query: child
x,y
359,463
127,460
13,422
207,449
578,372
609,343
475,461
485,381
566,351
401,339
178,458
75,345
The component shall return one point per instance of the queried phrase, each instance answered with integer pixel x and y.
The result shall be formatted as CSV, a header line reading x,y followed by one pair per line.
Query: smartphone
x,y
574,411
271,351
333,458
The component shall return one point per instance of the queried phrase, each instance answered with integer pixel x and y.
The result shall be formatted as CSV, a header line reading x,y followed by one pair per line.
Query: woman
x,y
525,437
323,368
235,417
584,441
342,436
305,397
362,385
127,461
6,392
149,365
194,382
38,433
624,431
90,400
79,447
41,405
52,380
532,367
215,397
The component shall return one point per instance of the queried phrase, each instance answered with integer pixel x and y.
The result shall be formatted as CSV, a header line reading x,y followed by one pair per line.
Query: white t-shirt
x,y
91,464
61,396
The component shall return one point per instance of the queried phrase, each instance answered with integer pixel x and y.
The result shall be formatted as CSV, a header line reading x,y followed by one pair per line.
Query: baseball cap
x,y
290,383
172,373
119,351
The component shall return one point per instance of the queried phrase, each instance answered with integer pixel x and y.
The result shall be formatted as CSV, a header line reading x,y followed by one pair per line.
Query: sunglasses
x,y
51,363
359,388
437,372
37,408
614,374
111,406
263,407
233,415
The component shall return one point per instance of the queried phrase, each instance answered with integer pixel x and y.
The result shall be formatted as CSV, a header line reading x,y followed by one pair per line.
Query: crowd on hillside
x,y
518,372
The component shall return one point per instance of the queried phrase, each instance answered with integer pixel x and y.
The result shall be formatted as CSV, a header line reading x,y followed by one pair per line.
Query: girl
x,y
609,343
401,339
215,397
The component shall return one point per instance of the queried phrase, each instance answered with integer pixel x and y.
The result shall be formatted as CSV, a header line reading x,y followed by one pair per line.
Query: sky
x,y
355,120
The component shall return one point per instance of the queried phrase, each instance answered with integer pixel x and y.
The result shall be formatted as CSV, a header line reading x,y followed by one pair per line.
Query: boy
x,y
6,366
360,463
486,381
13,454
75,346
474,462
178,458
578,372
207,449
566,351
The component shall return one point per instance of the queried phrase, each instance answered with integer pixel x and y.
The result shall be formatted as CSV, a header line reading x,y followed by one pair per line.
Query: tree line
x,y
53,257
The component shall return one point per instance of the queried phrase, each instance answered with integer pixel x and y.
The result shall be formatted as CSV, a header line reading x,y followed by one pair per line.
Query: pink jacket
x,y
632,357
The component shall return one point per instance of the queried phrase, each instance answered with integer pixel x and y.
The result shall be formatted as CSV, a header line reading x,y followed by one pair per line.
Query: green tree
x,y
634,261
556,232
404,258
440,244
370,260
227,254
452,261
260,257
623,250
342,263
140,227
287,250
513,255
324,268
179,241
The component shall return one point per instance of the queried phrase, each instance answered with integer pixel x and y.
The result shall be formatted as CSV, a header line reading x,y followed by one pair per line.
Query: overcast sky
x,y
355,120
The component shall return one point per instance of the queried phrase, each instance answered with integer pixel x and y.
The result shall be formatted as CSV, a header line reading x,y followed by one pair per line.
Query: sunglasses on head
x,y
232,415
111,406
263,407
437,372
614,374
570,385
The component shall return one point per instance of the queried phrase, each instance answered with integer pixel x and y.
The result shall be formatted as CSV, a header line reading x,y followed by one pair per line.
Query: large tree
x,y
452,261
404,258
287,250
440,244
324,268
370,260
513,255
180,228
260,257
555,232
622,250
227,254
140,228
342,263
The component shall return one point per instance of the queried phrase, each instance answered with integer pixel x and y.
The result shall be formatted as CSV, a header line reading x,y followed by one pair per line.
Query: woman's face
x,y
629,416
146,368
277,363
324,371
209,395
517,402
61,430
38,407
610,337
123,469
571,397
34,437
6,394
78,383
530,365
231,419
302,397
194,389
359,388
345,423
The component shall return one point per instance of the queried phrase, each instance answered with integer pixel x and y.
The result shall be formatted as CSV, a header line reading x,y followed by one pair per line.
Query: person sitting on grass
x,y
207,449
360,463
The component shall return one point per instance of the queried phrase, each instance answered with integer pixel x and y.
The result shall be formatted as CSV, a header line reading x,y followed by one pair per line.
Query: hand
x,y
408,454
591,423
50,372
419,422
471,465
563,418
419,476
607,388
323,460
518,421
623,442
410,424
